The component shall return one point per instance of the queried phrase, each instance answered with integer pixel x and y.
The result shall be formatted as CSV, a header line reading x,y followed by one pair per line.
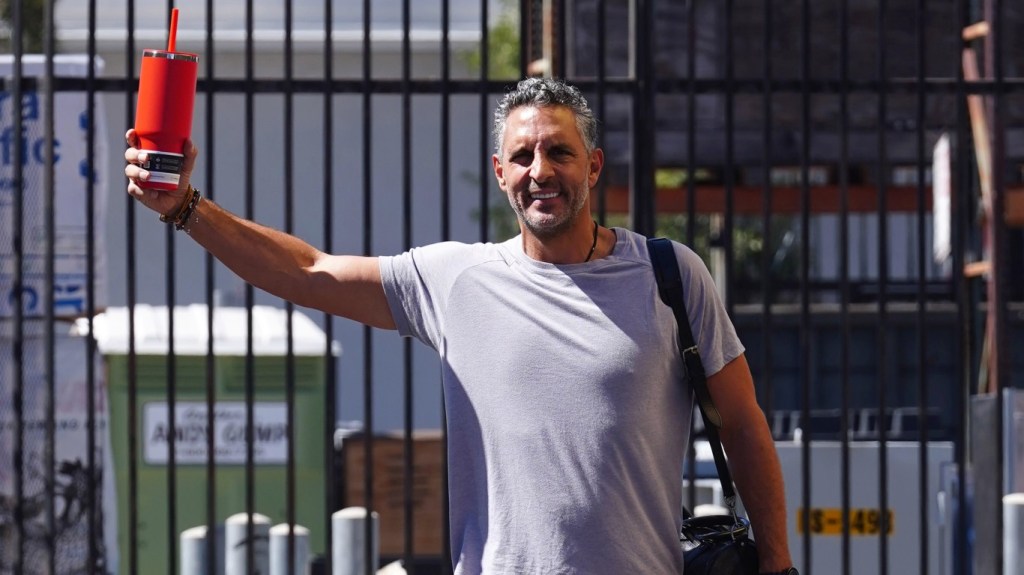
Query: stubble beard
x,y
547,226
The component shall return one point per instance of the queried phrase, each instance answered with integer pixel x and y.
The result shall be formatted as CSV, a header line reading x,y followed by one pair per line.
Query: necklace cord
x,y
593,245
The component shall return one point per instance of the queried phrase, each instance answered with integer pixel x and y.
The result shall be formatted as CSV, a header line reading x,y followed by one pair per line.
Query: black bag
x,y
718,545
715,544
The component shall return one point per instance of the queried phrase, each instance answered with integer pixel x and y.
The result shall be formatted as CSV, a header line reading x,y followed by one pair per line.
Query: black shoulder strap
x,y
670,288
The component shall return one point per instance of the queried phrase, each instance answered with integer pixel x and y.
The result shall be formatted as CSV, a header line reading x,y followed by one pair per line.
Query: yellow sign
x,y
829,521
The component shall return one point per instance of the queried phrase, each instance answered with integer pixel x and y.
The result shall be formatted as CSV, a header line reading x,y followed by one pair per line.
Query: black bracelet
x,y
182,221
185,212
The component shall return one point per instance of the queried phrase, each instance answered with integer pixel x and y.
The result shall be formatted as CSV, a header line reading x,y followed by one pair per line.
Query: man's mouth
x,y
543,196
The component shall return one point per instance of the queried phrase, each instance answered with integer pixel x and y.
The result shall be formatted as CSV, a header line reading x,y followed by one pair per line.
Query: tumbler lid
x,y
152,53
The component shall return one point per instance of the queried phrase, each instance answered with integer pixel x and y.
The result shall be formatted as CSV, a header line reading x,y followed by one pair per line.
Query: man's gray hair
x,y
541,92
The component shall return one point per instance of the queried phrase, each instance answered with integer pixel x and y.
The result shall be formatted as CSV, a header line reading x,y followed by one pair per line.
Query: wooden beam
x,y
1014,207
750,200
975,31
977,269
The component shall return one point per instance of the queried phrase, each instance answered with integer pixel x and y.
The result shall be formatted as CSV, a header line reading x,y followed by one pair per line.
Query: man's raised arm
x,y
279,263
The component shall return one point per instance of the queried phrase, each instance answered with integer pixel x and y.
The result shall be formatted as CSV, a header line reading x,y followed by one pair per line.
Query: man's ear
x,y
499,171
596,164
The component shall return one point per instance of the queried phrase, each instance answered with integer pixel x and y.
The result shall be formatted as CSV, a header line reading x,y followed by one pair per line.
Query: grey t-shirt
x,y
567,415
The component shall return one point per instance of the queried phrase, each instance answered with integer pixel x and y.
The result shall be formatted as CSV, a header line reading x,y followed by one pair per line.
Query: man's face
x,y
545,169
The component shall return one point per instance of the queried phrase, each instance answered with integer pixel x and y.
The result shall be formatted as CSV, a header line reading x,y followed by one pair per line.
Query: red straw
x,y
174,30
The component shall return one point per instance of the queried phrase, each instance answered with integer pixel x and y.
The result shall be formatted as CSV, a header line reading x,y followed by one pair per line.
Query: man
x,y
568,416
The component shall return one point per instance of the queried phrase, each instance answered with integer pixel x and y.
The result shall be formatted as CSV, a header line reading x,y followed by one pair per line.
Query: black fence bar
x,y
691,200
644,112
561,46
724,235
766,397
50,353
90,241
171,375
483,94
612,85
212,520
330,371
691,123
250,358
920,14
601,104
368,415
446,234
289,227
18,359
883,276
408,514
131,298
844,284
998,256
962,208
806,346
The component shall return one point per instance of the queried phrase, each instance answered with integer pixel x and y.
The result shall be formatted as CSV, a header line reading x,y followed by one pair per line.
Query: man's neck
x,y
570,247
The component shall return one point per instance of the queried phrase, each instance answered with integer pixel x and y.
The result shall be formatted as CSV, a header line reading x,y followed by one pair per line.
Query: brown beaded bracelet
x,y
180,219
171,219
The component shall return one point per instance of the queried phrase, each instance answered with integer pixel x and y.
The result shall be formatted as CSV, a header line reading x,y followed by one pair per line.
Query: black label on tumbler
x,y
164,168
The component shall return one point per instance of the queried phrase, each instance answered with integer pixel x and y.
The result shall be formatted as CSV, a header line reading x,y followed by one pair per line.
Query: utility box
x,y
150,411
904,531
389,498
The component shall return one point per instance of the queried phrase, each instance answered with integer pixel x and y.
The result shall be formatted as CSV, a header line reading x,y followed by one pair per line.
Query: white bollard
x,y
236,545
349,541
279,550
1013,533
193,551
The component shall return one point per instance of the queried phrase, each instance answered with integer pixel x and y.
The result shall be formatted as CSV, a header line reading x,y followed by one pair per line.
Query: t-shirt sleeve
x,y
417,284
713,330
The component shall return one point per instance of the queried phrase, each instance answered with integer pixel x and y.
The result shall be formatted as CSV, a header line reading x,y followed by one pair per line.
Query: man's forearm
x,y
266,258
758,476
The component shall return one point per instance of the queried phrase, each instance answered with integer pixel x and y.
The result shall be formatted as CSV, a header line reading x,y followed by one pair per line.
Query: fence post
x,y
349,544
279,550
1013,533
235,545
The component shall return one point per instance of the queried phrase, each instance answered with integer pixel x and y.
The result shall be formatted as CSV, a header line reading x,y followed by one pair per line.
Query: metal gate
x,y
850,171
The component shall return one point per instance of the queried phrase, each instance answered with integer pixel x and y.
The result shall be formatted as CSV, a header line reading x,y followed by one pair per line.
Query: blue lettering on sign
x,y
29,299
29,105
31,151
85,170
69,296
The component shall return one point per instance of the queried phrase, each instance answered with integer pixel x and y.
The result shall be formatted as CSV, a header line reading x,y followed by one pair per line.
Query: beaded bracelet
x,y
181,218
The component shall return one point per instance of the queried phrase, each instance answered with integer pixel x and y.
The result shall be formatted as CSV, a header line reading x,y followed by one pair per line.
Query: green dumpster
x,y
152,430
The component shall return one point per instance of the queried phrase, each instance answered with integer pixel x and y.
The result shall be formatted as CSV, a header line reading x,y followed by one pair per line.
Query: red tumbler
x,y
163,116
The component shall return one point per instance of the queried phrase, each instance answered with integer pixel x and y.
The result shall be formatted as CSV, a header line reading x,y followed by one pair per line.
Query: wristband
x,y
185,211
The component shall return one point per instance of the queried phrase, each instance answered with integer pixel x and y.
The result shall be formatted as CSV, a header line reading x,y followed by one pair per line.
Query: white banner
x,y
270,433
71,472
73,168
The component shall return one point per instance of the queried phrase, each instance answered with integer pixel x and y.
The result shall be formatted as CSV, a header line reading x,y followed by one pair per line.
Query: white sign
x,y
73,170
71,471
942,185
270,433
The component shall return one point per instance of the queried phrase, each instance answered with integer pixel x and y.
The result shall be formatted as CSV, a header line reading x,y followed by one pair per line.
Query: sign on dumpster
x,y
191,433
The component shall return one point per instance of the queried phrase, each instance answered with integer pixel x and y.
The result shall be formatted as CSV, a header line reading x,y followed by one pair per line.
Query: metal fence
x,y
851,172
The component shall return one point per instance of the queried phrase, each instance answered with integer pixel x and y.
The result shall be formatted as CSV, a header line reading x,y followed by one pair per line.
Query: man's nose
x,y
541,169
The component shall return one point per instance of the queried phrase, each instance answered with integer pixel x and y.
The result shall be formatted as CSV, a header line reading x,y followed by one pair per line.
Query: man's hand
x,y
161,201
